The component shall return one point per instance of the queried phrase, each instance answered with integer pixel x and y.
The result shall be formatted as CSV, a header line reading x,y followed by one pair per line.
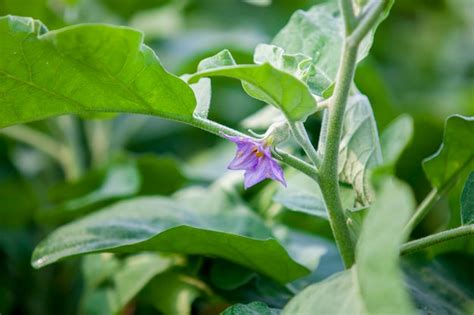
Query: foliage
x,y
113,153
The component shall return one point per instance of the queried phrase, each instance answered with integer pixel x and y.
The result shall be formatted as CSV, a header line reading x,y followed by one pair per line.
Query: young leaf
x,y
467,201
295,64
263,82
455,158
135,225
359,148
83,69
318,34
395,138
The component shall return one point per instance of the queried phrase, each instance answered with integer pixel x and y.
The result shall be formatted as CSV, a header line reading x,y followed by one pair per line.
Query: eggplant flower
x,y
255,158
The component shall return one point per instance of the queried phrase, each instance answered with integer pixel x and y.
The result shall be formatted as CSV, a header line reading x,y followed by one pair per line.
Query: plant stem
x,y
69,126
301,136
220,130
366,23
98,138
347,10
422,211
329,180
43,143
434,239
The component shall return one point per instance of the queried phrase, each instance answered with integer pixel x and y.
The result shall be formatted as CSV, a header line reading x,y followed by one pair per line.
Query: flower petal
x,y
244,159
265,168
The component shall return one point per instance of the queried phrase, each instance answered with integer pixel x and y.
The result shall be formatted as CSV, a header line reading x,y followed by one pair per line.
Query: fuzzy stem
x,y
434,239
329,181
422,211
367,22
347,10
301,136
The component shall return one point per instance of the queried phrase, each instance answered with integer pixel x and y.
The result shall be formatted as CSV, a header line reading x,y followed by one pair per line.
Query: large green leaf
x,y
83,69
263,82
455,158
359,148
375,284
168,225
467,201
380,279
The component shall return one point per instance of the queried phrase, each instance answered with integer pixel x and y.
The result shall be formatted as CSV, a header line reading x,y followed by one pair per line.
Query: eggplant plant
x,y
298,209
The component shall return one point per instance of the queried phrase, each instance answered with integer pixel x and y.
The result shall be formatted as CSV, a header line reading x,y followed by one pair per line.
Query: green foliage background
x,y
421,64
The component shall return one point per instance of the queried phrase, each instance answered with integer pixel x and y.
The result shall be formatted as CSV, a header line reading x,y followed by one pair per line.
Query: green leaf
x,y
455,158
263,82
83,69
467,201
155,223
337,295
318,34
227,276
127,279
395,138
377,255
441,286
160,175
254,308
173,292
221,59
359,147
121,180
302,194
375,284
202,90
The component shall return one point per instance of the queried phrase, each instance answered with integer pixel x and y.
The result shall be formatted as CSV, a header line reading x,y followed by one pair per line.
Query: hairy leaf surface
x,y
154,223
359,149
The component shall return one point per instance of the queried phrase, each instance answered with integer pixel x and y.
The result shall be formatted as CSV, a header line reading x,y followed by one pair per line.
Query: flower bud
x,y
277,133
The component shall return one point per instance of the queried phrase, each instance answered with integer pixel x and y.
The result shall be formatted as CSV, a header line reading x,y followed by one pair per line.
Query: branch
x,y
422,243
329,181
366,23
347,10
301,136
422,211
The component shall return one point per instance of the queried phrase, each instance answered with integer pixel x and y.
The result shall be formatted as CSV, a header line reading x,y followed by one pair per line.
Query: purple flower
x,y
255,158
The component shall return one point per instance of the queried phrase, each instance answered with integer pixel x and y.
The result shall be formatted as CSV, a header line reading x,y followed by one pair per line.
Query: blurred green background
x,y
422,63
